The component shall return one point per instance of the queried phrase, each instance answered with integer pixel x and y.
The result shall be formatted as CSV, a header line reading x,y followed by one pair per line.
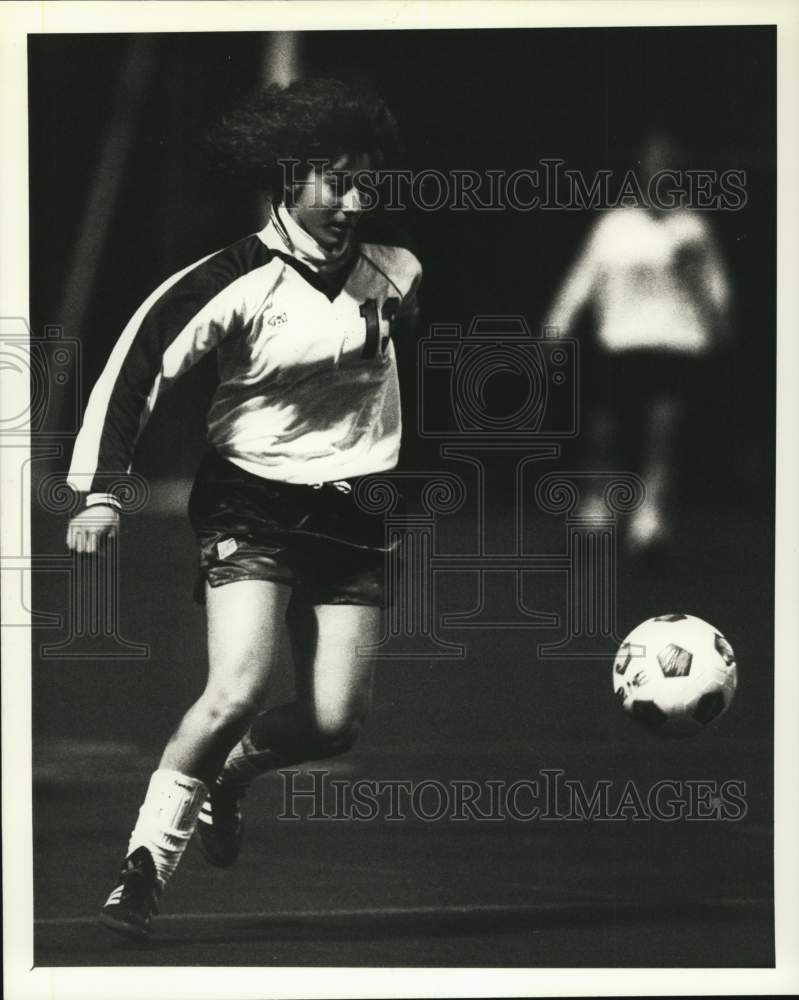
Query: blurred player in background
x,y
302,316
654,282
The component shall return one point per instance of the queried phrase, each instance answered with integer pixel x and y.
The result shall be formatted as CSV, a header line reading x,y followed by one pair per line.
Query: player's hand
x,y
88,530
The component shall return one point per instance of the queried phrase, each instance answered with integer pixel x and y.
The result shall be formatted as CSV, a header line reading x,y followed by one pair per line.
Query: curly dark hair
x,y
310,119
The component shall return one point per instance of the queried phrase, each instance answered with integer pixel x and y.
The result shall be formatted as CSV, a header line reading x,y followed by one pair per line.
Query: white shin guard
x,y
167,819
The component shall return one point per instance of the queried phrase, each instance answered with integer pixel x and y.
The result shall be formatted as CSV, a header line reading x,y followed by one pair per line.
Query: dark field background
x,y
415,893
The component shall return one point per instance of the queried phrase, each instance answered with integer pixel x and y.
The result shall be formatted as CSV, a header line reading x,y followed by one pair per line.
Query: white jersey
x,y
655,281
308,378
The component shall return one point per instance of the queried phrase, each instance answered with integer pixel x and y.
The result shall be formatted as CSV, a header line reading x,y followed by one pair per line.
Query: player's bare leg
x,y
335,665
245,623
597,455
334,671
649,524
245,619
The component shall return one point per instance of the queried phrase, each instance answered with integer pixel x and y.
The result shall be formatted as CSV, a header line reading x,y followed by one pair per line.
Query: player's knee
x,y
338,732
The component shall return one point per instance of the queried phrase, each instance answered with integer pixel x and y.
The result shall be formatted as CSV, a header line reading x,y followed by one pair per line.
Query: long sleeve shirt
x,y
307,370
653,282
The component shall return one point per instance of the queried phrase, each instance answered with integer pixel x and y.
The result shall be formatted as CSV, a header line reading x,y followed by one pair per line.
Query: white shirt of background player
x,y
655,281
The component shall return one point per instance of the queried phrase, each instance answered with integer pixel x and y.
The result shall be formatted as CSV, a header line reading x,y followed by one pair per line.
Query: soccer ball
x,y
675,675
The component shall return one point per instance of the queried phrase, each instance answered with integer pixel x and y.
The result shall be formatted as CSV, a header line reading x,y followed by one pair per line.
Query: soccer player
x,y
654,278
301,315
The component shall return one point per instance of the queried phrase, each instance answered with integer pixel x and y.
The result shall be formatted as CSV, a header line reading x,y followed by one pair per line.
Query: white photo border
x,y
20,19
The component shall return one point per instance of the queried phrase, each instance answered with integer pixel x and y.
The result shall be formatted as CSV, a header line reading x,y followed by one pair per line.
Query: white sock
x,y
167,819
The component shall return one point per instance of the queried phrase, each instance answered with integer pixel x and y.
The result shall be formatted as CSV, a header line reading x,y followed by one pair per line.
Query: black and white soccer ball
x,y
675,675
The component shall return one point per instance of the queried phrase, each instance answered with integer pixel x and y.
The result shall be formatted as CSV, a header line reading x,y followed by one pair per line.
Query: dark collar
x,y
330,285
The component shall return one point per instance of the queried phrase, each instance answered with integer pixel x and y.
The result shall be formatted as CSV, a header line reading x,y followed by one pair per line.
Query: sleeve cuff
x,y
106,499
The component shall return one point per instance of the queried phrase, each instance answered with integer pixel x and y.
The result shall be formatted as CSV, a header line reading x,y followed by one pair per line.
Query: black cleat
x,y
220,826
135,899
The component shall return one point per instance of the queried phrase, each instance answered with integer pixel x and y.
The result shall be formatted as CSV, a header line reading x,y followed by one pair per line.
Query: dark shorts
x,y
631,379
315,540
620,389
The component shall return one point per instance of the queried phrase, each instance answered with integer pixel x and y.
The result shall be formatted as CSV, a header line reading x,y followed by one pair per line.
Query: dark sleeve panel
x,y
169,315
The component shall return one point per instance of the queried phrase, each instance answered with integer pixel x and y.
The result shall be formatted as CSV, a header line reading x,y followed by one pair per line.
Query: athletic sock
x,y
167,819
278,738
246,762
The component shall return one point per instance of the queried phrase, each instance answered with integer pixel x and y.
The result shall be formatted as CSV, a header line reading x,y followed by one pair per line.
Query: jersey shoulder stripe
x,y
119,402
398,265
172,310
